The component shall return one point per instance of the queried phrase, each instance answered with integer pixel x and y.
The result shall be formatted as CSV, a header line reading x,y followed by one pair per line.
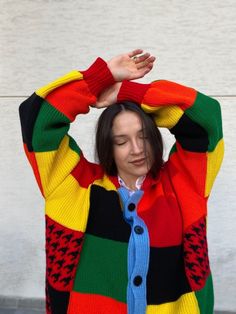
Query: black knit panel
x,y
106,216
56,301
190,135
166,280
28,111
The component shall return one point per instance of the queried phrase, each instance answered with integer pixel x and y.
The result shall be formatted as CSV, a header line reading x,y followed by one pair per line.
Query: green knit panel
x,y
50,128
173,150
206,112
102,268
73,145
205,297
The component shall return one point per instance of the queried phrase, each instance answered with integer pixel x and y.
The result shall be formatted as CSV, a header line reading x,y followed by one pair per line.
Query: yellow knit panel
x,y
69,77
69,204
54,166
214,160
187,304
105,183
166,117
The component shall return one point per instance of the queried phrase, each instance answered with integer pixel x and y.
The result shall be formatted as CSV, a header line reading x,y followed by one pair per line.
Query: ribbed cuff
x,y
98,76
132,91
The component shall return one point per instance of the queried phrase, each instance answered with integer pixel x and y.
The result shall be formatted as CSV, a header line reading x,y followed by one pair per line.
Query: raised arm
x,y
45,120
195,120
46,116
192,117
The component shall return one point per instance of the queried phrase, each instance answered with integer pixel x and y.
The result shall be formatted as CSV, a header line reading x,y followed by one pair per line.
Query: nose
x,y
136,146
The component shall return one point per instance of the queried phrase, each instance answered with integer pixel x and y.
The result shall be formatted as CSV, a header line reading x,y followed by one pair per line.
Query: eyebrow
x,y
121,135
124,135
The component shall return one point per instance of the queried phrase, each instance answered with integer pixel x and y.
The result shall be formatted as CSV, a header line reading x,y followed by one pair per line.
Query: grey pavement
x,y
34,311
17,305
21,311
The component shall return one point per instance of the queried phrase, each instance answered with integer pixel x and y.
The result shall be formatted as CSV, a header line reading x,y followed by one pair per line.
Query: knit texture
x,y
109,252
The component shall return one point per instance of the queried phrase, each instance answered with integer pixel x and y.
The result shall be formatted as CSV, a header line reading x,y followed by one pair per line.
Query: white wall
x,y
195,45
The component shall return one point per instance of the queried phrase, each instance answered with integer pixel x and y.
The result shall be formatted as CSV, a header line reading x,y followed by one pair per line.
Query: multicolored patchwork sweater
x,y
109,252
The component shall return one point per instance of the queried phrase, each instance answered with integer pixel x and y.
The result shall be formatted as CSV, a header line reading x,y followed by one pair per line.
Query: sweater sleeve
x,y
45,120
195,121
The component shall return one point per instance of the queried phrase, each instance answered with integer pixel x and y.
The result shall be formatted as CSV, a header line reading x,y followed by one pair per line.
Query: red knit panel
x,y
33,162
98,76
162,216
187,172
82,303
86,172
196,254
72,98
132,91
63,247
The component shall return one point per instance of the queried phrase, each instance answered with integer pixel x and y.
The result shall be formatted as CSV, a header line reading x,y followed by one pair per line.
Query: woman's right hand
x,y
130,66
108,96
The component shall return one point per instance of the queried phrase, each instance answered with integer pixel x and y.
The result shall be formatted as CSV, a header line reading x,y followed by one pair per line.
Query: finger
x,y
146,70
152,59
143,71
135,52
142,57
146,62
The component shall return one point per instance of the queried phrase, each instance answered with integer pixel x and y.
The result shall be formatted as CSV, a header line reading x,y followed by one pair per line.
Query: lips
x,y
138,162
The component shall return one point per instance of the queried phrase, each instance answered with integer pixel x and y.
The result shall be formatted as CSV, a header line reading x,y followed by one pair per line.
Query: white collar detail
x,y
138,184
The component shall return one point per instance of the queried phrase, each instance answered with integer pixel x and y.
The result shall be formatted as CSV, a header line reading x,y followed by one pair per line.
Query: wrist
x,y
98,76
113,72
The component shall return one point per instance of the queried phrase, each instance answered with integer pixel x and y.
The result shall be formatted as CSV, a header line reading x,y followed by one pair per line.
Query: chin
x,y
141,173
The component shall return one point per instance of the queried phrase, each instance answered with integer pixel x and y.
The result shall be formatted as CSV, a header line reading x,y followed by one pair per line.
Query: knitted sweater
x,y
109,252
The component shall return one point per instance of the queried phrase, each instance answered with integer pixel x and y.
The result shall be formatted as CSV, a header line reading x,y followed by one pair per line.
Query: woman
x,y
127,235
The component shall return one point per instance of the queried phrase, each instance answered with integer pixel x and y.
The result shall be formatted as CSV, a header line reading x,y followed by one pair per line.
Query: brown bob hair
x,y
104,140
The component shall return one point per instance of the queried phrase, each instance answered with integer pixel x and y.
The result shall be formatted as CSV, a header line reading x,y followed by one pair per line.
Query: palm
x,y
125,67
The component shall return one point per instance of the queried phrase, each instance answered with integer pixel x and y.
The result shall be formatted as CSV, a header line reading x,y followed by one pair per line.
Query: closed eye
x,y
120,139
120,143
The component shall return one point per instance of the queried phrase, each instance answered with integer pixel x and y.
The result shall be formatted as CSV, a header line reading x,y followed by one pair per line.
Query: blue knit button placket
x,y
138,229
138,252
137,280
131,207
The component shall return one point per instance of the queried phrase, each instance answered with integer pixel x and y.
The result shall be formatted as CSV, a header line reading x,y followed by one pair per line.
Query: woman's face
x,y
132,151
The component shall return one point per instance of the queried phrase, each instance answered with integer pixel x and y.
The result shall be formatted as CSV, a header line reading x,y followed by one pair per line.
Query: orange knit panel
x,y
69,101
169,93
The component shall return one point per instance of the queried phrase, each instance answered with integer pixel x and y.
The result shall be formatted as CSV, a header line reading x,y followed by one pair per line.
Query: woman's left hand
x,y
131,66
